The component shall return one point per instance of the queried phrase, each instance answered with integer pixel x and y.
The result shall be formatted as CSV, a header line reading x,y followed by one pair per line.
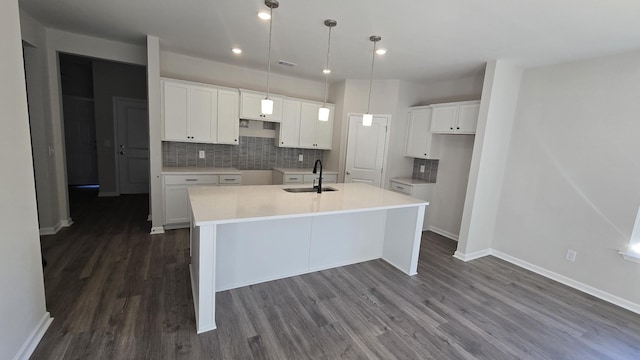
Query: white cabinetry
x,y
195,112
288,131
455,118
302,176
419,139
176,197
250,106
315,134
417,189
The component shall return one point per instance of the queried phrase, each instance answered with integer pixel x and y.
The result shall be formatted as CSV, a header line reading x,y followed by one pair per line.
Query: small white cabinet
x,y
315,134
288,131
418,189
455,118
251,106
193,112
176,197
419,139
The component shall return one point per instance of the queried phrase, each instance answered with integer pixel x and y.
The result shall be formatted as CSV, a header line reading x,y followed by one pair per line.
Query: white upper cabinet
x,y
418,135
455,118
315,134
199,113
288,131
250,106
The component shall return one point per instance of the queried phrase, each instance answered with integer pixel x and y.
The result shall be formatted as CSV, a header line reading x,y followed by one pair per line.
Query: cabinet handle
x,y
399,187
293,178
191,179
228,179
458,128
283,143
451,128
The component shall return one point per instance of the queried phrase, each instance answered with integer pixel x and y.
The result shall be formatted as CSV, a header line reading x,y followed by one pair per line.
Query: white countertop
x,y
200,170
230,204
412,181
303,171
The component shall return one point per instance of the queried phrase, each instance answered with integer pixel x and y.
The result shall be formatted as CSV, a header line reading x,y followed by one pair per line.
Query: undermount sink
x,y
306,190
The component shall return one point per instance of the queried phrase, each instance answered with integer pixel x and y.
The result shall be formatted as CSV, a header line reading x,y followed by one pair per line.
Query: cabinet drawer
x,y
230,179
401,188
293,179
326,179
190,179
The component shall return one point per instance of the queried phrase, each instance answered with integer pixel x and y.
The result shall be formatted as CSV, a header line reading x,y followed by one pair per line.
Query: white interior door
x,y
366,147
133,145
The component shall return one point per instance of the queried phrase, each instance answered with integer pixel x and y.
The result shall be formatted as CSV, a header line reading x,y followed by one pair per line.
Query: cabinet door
x,y
202,111
176,209
250,107
418,135
467,118
175,113
443,119
308,125
289,128
228,124
324,130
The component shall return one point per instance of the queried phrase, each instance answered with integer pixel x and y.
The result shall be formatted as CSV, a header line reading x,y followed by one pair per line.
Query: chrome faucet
x,y
315,171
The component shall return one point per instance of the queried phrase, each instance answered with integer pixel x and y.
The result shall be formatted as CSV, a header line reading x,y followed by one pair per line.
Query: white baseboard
x,y
34,338
443,233
157,230
603,295
472,256
107,193
54,229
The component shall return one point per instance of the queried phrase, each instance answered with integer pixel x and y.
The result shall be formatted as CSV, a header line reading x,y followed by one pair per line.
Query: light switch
x,y
300,157
201,154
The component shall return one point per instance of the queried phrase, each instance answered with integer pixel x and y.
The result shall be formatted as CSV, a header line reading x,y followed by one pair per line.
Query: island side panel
x,y
403,234
348,238
257,251
203,269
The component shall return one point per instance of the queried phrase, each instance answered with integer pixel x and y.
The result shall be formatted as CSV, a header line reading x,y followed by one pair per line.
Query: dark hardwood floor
x,y
117,292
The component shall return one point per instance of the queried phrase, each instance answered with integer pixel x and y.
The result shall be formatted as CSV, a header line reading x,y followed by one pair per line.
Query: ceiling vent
x,y
286,63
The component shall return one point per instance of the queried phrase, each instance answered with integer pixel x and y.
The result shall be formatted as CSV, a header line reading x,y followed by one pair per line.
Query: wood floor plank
x,y
117,292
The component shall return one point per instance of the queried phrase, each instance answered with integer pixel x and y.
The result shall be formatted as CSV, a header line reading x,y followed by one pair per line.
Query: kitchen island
x,y
252,234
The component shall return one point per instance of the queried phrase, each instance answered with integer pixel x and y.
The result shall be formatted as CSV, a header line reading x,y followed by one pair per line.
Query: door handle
x,y
348,172
121,146
121,152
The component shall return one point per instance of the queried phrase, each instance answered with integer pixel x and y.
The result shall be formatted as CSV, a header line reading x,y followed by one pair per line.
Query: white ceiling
x,y
427,39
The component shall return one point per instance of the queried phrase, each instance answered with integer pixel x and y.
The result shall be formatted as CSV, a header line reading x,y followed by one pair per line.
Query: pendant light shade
x,y
266,105
323,112
367,119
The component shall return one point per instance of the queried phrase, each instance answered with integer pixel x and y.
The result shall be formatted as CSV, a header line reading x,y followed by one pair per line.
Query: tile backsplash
x,y
430,170
251,153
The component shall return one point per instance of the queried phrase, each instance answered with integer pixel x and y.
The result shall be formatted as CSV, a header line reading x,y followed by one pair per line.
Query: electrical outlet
x,y
421,168
571,255
300,157
201,154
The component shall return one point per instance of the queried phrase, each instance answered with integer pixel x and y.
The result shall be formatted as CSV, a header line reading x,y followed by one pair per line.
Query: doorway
x,y
366,150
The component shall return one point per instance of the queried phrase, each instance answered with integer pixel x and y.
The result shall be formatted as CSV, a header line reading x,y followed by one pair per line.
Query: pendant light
x,y
323,112
367,119
266,105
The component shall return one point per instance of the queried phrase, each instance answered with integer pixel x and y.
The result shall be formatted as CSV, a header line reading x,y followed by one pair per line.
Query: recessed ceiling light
x,y
381,51
264,15
237,50
326,71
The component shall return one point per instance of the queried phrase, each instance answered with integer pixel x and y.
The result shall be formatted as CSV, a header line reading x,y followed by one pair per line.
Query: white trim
x,y
630,256
444,233
475,255
52,230
66,223
569,282
157,230
34,338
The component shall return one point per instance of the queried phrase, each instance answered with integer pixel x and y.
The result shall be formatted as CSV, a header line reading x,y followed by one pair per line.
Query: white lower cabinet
x,y
176,197
416,189
302,176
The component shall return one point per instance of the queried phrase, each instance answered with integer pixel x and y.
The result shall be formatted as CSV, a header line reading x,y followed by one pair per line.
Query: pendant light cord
x,y
269,53
326,78
373,59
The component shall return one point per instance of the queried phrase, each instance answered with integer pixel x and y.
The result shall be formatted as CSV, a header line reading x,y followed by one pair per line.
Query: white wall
x,y
190,68
35,54
22,306
573,171
490,149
